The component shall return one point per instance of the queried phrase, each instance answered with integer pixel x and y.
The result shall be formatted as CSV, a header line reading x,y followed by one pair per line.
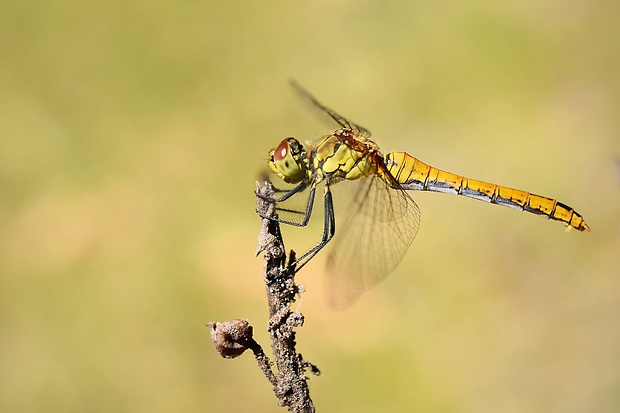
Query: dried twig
x,y
232,338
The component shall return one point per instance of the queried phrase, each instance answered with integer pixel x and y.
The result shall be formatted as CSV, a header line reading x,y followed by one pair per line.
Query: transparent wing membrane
x,y
378,227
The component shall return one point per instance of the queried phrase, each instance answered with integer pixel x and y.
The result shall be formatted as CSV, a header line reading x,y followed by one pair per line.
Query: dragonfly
x,y
382,219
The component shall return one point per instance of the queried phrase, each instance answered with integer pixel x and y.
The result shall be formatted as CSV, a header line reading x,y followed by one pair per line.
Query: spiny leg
x,y
329,229
289,193
307,213
329,223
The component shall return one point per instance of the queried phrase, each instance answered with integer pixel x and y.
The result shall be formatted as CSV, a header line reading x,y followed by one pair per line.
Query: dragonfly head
x,y
286,161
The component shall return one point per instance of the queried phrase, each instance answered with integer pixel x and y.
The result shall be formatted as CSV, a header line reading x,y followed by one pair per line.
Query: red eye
x,y
281,151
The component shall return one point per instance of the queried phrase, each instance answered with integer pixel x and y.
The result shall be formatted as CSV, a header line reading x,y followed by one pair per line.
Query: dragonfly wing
x,y
339,119
380,224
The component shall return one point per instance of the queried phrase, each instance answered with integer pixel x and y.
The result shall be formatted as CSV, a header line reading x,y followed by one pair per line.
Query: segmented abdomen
x,y
413,174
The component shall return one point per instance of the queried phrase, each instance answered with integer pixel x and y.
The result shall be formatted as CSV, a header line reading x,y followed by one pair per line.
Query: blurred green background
x,y
131,135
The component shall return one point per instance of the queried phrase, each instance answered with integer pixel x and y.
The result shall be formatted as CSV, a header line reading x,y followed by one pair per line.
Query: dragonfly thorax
x,y
287,161
343,155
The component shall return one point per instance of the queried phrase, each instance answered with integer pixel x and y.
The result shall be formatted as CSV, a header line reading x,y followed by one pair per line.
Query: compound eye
x,y
282,151
285,163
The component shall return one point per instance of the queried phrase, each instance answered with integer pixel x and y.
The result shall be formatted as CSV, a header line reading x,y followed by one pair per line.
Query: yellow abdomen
x,y
413,174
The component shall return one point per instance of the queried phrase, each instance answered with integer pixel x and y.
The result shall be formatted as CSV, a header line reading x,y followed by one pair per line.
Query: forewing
x,y
339,119
379,226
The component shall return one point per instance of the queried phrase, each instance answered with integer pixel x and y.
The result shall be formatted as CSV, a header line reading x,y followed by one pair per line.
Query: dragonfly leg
x,y
329,229
280,190
289,193
307,213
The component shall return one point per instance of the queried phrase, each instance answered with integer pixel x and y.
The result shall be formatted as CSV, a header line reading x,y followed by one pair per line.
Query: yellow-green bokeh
x,y
131,135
